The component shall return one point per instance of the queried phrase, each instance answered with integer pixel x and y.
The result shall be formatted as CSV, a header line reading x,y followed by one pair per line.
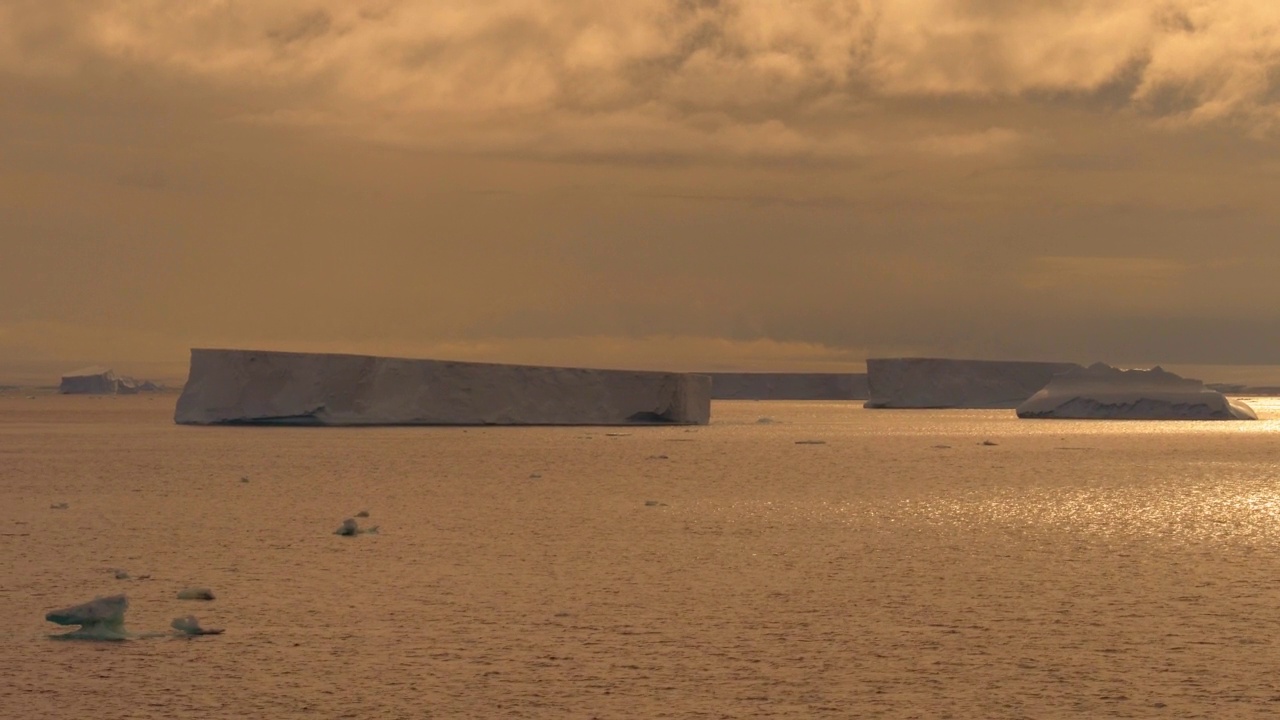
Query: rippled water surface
x,y
830,562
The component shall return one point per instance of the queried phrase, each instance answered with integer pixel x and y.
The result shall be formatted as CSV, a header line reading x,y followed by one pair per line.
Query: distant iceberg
x,y
97,380
788,386
951,383
99,619
1107,393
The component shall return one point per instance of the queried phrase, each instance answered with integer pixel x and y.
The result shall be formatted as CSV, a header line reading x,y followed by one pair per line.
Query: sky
x,y
676,184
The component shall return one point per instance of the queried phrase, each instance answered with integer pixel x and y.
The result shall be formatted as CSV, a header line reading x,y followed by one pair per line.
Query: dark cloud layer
x,y
747,184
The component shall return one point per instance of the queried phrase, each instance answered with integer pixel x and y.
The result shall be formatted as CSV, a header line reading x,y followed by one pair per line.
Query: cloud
x,y
678,78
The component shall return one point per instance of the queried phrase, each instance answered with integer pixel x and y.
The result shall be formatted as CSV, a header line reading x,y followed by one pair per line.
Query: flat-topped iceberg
x,y
1107,393
947,383
102,618
249,387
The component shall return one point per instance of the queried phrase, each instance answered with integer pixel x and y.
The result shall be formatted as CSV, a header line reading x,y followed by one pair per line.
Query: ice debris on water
x,y
102,618
195,593
244,478
989,443
122,574
811,442
189,625
654,503
59,506
350,528
362,514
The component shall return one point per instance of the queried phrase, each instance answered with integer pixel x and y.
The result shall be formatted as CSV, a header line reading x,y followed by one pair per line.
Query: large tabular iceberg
x,y
788,386
1104,392
946,383
282,388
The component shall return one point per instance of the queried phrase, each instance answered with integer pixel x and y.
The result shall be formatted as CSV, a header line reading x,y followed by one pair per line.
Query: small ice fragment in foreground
x,y
363,513
244,478
658,457
195,593
102,618
535,476
765,421
122,575
189,625
989,443
350,528
59,506
942,447
654,503
811,442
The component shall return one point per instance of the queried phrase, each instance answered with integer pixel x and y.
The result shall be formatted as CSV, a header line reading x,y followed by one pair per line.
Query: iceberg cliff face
x,y
1103,392
90,381
788,386
282,388
945,383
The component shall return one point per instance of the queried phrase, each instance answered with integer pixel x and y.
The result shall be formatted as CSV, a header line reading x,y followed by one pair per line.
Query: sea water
x,y
792,559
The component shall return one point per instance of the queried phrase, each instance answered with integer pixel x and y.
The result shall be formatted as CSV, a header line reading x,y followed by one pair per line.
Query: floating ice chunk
x,y
811,442
362,514
189,625
122,574
102,618
59,506
349,528
195,593
654,503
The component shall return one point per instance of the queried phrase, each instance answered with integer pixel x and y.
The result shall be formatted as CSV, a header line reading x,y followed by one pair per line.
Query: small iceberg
x,y
1103,392
195,593
350,528
102,618
189,625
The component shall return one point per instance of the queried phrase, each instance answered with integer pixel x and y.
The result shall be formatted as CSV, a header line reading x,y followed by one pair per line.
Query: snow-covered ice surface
x,y
282,388
1102,392
948,383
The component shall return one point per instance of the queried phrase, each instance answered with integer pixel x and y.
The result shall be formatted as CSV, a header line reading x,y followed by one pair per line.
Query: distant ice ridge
x,y
102,618
948,383
1104,392
283,388
788,386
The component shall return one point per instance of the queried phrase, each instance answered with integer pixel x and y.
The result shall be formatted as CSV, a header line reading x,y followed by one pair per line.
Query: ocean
x,y
791,560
